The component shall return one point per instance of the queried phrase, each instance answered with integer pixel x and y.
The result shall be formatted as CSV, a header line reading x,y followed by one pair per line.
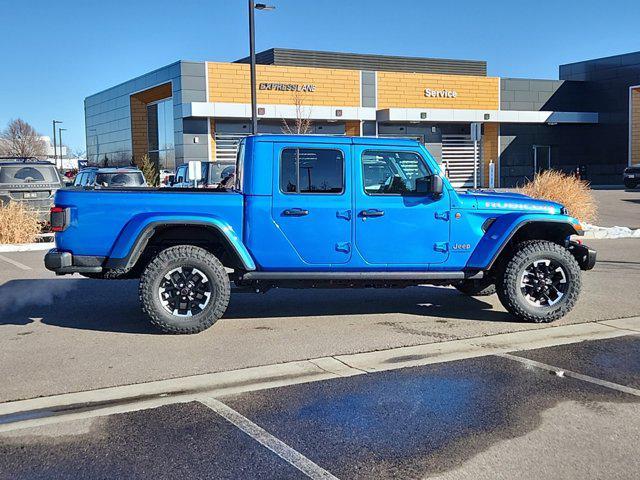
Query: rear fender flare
x,y
134,237
507,226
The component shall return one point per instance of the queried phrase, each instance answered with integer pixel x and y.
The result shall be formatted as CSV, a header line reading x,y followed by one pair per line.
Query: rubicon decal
x,y
520,206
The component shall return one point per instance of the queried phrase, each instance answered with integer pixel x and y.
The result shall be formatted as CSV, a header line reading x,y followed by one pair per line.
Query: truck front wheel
x,y
184,289
540,282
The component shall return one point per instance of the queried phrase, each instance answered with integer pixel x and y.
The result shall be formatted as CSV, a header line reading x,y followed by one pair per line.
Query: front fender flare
x,y
506,227
134,237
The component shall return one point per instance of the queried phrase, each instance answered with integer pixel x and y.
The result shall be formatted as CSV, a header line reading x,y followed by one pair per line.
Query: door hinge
x,y
441,247
346,214
442,215
343,247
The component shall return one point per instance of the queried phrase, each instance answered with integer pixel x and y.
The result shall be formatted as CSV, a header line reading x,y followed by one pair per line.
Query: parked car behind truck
x,y
309,211
110,177
213,174
30,182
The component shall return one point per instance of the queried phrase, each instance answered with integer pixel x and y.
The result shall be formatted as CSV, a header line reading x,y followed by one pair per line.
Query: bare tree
x,y
302,122
19,139
77,152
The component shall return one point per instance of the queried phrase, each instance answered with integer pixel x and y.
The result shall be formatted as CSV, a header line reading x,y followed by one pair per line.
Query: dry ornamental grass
x,y
567,190
18,224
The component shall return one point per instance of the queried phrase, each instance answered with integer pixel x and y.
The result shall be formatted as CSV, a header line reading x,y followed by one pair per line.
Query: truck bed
x,y
105,213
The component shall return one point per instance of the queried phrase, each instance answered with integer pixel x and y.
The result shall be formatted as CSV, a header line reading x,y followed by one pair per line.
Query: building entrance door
x,y
541,158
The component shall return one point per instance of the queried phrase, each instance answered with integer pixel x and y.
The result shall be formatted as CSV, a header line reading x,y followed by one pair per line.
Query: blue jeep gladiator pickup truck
x,y
313,211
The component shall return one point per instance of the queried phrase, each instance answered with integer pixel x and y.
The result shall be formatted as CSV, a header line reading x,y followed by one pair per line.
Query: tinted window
x,y
310,170
392,173
120,179
180,174
78,179
28,174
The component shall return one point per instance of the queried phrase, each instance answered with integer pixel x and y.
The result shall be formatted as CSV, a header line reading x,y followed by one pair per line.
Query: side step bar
x,y
475,275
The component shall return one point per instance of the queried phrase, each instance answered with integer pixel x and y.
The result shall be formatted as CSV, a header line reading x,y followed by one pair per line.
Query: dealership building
x,y
589,118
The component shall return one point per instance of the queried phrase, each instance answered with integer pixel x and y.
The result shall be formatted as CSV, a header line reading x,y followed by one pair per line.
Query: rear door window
x,y
311,170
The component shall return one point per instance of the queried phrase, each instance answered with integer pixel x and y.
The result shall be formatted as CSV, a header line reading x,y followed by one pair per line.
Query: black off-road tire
x,y
630,184
477,288
186,256
508,281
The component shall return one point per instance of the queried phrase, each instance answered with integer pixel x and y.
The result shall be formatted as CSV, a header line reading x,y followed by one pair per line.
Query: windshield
x,y
28,174
120,179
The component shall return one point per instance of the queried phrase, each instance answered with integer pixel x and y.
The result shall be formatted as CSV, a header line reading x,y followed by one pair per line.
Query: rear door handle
x,y
372,212
295,212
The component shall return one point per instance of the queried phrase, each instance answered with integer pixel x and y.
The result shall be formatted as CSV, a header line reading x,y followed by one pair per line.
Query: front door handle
x,y
372,212
295,212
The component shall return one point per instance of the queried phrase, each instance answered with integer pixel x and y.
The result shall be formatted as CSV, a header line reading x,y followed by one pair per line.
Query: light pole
x,y
55,148
252,54
60,130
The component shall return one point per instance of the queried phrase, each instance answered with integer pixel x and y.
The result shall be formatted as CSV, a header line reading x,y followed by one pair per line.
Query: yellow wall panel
x,y
230,82
407,90
489,150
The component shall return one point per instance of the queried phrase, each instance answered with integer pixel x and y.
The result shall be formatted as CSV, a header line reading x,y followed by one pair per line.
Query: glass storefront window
x,y
160,134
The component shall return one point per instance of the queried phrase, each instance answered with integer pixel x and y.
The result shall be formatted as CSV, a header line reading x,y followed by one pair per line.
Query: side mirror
x,y
431,185
437,186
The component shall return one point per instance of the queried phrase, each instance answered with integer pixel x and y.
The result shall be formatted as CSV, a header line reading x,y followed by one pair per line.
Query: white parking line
x,y
19,265
259,434
576,375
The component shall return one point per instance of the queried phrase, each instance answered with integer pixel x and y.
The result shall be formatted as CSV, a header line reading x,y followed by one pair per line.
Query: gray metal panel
x,y
357,61
368,90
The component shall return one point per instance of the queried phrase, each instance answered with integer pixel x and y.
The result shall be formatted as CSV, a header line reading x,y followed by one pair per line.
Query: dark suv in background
x,y
30,182
631,176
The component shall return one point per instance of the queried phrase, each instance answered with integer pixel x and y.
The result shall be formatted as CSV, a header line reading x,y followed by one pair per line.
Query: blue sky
x,y
54,54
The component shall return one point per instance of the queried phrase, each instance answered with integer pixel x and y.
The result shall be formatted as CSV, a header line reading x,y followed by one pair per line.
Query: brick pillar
x,y
352,128
489,151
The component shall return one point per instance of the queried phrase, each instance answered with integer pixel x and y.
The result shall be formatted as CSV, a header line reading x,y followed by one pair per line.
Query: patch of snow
x,y
26,247
594,231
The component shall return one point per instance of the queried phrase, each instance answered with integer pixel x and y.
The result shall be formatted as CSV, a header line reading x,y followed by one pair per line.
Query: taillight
x,y
59,218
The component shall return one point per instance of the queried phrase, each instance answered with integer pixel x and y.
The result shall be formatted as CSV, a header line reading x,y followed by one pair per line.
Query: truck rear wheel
x,y
184,289
540,282
477,288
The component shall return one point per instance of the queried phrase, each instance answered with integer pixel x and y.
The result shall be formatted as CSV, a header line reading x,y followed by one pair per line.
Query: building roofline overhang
x,y
467,116
271,111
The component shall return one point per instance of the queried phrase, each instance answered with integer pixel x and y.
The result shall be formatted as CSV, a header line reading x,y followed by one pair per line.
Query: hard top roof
x,y
335,139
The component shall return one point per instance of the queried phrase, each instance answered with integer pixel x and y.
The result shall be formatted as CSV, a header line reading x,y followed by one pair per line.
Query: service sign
x,y
433,93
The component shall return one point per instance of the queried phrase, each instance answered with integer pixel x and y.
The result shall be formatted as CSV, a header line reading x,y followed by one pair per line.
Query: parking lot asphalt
x,y
65,334
618,207
483,418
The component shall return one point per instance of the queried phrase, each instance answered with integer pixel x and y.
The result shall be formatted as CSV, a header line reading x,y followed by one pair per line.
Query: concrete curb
x,y
27,247
107,401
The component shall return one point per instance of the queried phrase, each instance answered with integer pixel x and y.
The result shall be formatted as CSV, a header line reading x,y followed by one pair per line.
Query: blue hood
x,y
514,202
